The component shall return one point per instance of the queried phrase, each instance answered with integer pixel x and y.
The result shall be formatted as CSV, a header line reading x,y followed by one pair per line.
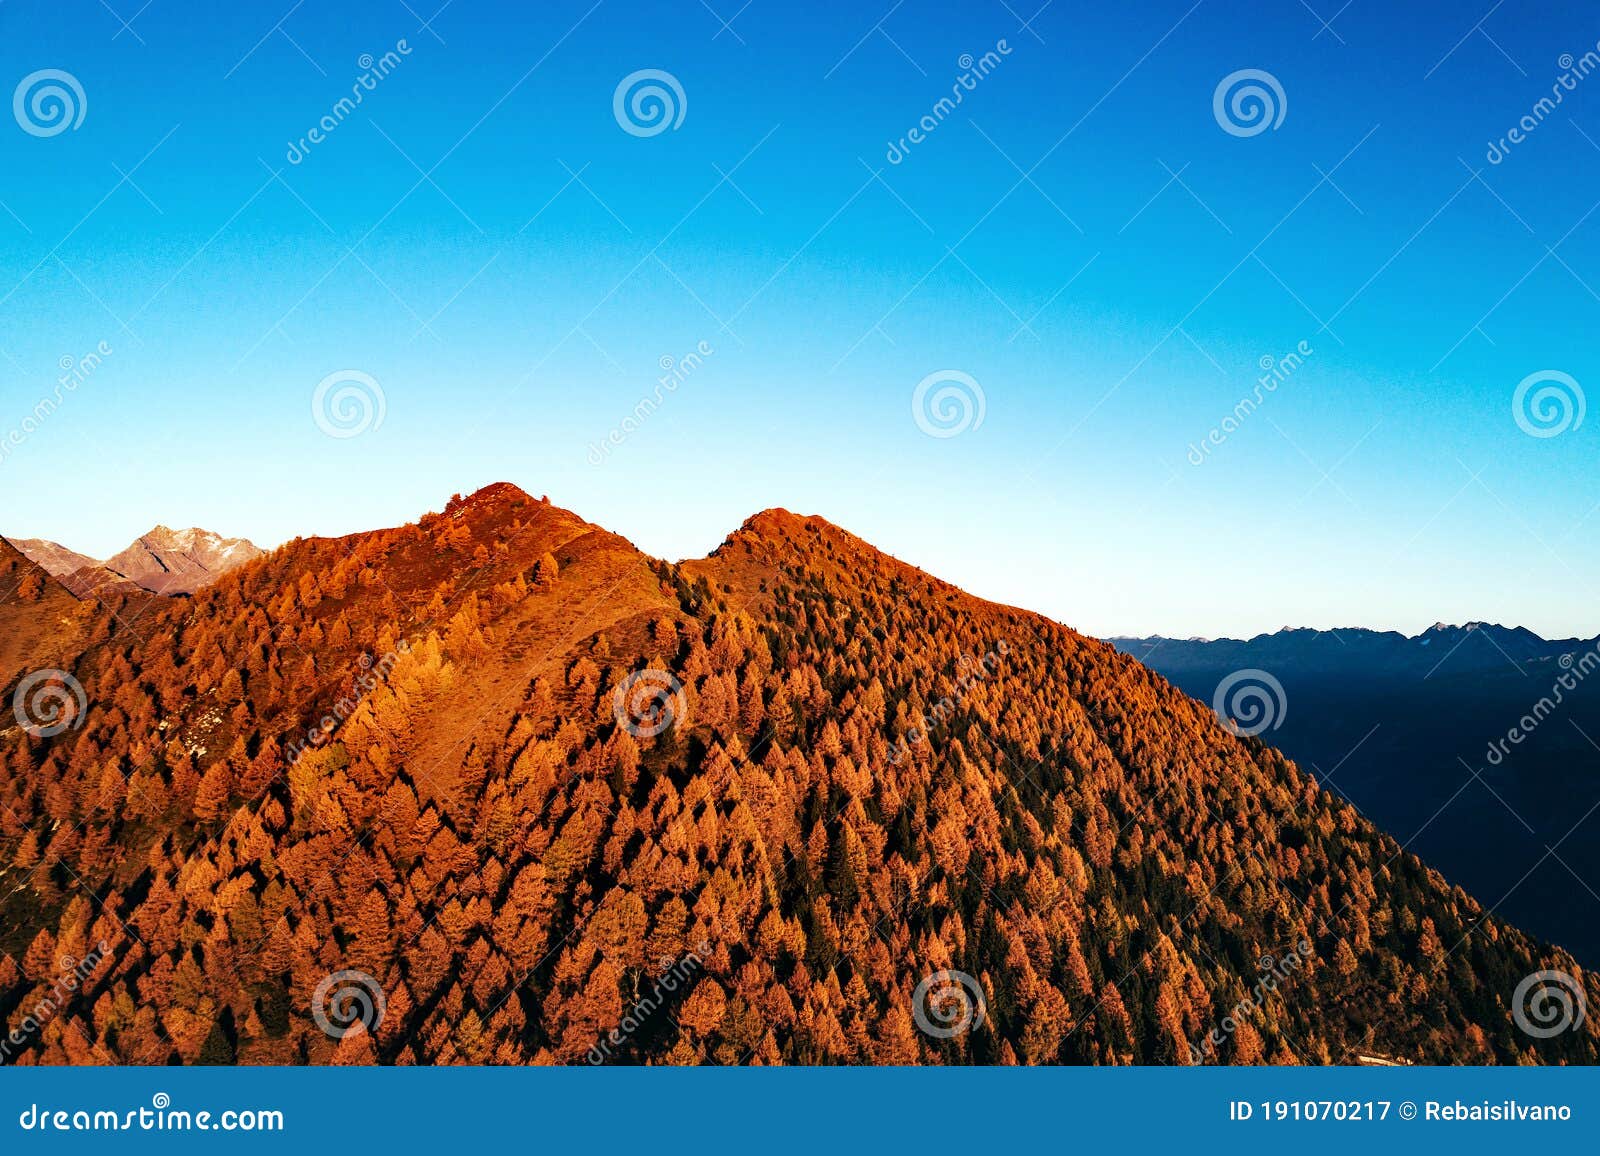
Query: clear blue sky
x,y
515,305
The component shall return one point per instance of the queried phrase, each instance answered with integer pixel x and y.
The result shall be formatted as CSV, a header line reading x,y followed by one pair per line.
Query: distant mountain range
x,y
1439,650
1475,745
164,561
529,795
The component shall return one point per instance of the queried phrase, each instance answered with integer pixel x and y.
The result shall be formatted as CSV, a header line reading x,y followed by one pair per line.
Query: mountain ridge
x,y
1473,737
163,561
56,559
436,754
1442,648
1302,631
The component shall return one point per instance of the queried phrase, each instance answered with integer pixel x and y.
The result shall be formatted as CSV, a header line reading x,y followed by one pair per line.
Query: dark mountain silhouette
x,y
1439,650
542,798
1498,722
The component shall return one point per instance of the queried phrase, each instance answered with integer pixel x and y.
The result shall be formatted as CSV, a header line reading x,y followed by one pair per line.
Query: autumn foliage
x,y
400,752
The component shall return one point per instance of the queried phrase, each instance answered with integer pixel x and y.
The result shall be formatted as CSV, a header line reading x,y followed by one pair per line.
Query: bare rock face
x,y
164,561
167,561
55,559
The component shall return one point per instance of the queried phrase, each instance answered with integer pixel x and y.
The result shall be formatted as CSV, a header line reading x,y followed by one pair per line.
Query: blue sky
x,y
1081,238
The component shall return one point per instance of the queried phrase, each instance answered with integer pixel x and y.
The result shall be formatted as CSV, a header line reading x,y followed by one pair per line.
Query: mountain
x,y
166,561
101,584
1439,650
1475,744
42,625
496,787
56,559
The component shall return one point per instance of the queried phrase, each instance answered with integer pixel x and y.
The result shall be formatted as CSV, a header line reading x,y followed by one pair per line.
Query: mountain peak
x,y
168,561
806,533
779,521
182,539
495,494
781,529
